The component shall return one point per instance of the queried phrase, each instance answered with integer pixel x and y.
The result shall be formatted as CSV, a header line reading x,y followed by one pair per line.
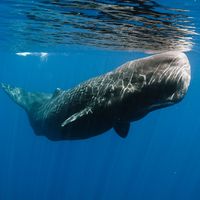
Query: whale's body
x,y
112,100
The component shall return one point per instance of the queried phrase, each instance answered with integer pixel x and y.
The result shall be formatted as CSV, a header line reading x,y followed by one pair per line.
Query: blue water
x,y
159,159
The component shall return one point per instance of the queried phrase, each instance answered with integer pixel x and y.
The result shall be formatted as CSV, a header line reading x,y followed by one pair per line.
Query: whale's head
x,y
166,78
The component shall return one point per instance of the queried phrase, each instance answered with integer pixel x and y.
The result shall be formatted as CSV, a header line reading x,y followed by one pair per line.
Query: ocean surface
x,y
45,44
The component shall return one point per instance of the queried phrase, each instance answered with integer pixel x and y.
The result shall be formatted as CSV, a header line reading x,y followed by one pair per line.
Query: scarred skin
x,y
112,100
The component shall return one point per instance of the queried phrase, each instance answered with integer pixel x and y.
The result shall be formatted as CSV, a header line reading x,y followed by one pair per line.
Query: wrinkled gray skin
x,y
112,100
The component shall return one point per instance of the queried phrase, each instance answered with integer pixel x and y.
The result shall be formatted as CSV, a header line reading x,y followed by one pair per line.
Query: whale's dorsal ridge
x,y
57,92
78,115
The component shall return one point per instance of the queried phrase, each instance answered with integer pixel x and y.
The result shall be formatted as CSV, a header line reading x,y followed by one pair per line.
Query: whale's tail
x,y
23,98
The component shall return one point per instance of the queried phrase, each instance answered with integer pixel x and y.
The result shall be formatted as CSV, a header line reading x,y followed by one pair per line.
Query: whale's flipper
x,y
23,98
78,115
122,128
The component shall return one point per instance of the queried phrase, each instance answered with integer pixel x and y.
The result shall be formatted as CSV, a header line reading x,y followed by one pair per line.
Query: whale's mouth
x,y
183,85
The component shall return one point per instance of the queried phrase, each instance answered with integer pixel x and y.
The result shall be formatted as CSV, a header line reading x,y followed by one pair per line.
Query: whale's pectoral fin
x,y
77,116
122,128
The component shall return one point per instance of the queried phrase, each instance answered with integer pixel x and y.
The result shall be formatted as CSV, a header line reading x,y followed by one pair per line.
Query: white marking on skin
x,y
171,97
129,64
145,79
168,68
109,102
131,78
152,77
123,84
179,72
171,73
130,87
179,79
164,72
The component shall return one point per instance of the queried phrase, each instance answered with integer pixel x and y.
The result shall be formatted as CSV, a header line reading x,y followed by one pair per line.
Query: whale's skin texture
x,y
112,100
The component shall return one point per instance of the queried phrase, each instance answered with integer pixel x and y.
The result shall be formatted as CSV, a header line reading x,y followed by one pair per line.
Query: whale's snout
x,y
167,78
179,75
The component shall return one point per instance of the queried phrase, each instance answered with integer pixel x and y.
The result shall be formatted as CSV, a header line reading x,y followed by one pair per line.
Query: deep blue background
x,y
159,160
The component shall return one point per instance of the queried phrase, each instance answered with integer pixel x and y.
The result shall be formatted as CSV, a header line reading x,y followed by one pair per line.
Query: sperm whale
x,y
112,100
